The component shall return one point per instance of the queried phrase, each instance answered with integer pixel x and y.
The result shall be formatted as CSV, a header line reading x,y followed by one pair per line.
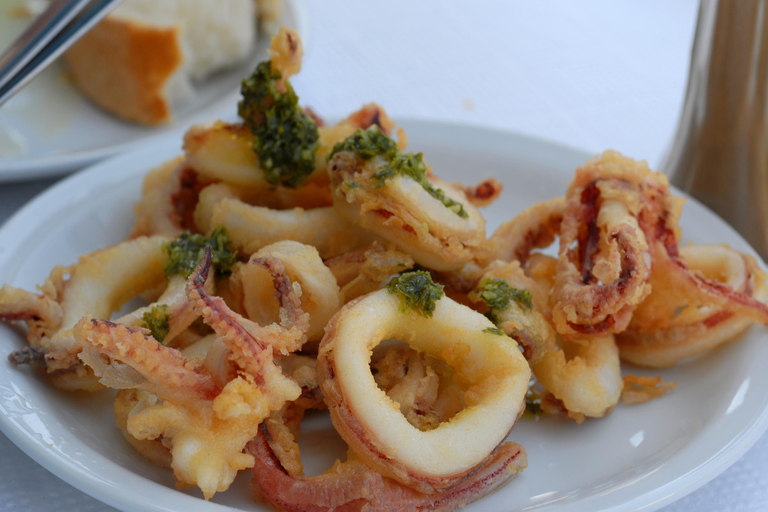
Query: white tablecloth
x,y
593,74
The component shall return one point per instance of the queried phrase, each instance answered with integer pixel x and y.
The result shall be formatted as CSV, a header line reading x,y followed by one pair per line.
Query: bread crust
x,y
124,66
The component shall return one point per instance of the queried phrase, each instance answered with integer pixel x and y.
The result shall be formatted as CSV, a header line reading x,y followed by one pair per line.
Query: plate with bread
x,y
150,68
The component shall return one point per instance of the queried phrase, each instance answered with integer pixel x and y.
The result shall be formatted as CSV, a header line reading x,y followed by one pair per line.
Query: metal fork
x,y
55,30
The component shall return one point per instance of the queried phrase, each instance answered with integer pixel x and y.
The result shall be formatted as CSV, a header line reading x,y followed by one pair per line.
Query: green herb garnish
x,y
498,295
156,320
187,250
417,292
372,142
368,144
494,330
286,138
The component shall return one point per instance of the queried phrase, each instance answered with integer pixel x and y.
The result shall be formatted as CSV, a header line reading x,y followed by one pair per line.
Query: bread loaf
x,y
143,59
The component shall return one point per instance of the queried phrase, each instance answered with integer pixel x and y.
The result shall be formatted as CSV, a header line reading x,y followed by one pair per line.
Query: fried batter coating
x,y
320,296
703,297
400,210
604,266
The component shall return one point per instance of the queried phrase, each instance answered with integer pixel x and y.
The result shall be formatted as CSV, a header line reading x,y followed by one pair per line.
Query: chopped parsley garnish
x,y
286,138
368,144
494,330
417,292
371,142
187,250
156,320
498,295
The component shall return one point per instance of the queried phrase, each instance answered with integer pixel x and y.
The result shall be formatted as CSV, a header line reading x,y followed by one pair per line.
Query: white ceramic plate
x,y
49,128
639,457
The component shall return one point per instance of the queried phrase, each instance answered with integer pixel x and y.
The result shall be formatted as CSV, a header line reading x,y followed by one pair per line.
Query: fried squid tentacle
x,y
584,376
135,360
97,285
205,427
252,346
605,263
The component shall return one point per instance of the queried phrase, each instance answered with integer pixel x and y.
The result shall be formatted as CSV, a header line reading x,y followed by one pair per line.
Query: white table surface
x,y
593,74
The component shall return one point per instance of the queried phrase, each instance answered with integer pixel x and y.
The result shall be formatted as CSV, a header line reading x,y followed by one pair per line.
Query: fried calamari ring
x,y
678,321
169,195
155,214
401,211
320,295
252,227
368,269
535,227
605,262
488,366
352,486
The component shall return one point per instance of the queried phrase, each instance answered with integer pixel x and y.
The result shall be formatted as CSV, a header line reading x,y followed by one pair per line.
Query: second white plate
x,y
49,128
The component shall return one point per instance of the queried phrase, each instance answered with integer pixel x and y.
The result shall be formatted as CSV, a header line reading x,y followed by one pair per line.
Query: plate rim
x,y
161,148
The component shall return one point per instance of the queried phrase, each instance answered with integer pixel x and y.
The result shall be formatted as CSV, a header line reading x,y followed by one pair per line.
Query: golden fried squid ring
x,y
488,366
368,269
535,227
354,487
155,214
320,295
402,212
97,285
169,195
252,227
605,261
694,308
204,422
585,375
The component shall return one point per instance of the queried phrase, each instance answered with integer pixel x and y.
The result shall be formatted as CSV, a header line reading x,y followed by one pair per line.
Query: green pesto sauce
x,y
371,142
286,138
156,320
494,330
187,250
417,292
498,295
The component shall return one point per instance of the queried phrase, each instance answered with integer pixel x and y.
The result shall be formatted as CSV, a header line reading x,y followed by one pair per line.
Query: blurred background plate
x,y
49,128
